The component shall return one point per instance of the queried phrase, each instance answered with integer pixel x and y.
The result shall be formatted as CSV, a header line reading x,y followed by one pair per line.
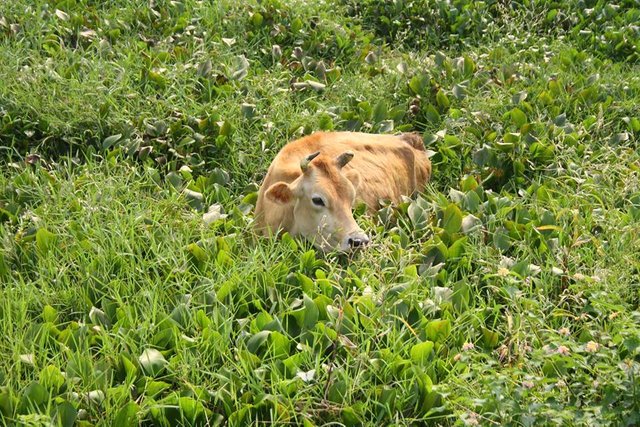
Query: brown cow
x,y
312,184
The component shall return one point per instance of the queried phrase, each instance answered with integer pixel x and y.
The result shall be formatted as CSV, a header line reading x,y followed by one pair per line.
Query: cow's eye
x,y
317,201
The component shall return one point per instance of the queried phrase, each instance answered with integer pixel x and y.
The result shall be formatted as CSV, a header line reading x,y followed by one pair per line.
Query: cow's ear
x,y
353,176
280,192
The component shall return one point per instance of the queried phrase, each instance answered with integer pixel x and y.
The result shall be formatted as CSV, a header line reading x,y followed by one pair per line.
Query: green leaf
x,y
279,345
51,378
379,112
165,338
505,147
257,340
421,352
411,271
501,239
223,259
469,66
66,414
194,199
461,296
452,220
3,265
468,183
484,156
204,69
219,176
337,391
127,415
98,317
181,315
34,395
317,86
512,138
472,201
257,19
248,110
197,254
442,100
490,338
130,369
417,215
432,114
325,122
438,330
226,129
154,388
192,411
456,250
518,117
517,98
174,180
419,84
110,141
633,123
62,15
311,312
152,362
620,137
351,416
50,314
241,68
460,92
440,58
296,25
7,403
471,223
386,126
45,240
451,141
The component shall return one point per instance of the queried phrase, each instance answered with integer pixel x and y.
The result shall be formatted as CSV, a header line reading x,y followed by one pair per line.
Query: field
x,y
134,136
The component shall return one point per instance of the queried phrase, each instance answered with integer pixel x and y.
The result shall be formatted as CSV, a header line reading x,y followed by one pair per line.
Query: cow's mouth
x,y
354,241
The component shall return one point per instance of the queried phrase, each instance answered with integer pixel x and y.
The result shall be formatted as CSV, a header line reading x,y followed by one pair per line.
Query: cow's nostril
x,y
355,242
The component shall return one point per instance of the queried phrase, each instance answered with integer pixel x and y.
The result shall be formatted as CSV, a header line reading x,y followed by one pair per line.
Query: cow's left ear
x,y
280,192
353,176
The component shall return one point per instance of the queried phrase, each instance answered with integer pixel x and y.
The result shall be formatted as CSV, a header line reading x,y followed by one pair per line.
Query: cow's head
x,y
322,198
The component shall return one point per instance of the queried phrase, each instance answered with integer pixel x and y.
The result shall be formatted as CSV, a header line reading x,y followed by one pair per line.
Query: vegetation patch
x,y
134,291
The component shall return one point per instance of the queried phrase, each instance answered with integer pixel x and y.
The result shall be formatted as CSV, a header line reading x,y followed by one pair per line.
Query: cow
x,y
313,182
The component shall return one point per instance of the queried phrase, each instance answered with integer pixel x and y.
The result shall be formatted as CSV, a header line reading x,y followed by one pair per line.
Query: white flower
x,y
564,331
468,346
471,419
592,347
528,384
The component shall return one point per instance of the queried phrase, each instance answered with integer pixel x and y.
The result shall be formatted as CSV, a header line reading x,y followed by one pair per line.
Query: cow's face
x,y
322,199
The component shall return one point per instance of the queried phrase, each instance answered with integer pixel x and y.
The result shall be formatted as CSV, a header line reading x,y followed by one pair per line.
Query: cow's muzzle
x,y
357,240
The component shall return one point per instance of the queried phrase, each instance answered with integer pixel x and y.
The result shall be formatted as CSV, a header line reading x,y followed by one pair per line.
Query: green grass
x,y
506,294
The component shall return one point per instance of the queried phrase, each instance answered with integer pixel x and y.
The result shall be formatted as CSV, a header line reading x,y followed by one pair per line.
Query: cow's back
x,y
390,166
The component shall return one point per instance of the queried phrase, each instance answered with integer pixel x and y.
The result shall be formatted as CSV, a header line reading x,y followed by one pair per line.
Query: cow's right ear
x,y
280,192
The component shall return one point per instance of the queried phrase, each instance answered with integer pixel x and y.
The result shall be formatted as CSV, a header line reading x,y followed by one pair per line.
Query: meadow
x,y
133,139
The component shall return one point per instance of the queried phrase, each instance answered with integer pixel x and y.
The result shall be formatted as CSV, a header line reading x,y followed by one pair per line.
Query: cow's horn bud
x,y
344,158
304,164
